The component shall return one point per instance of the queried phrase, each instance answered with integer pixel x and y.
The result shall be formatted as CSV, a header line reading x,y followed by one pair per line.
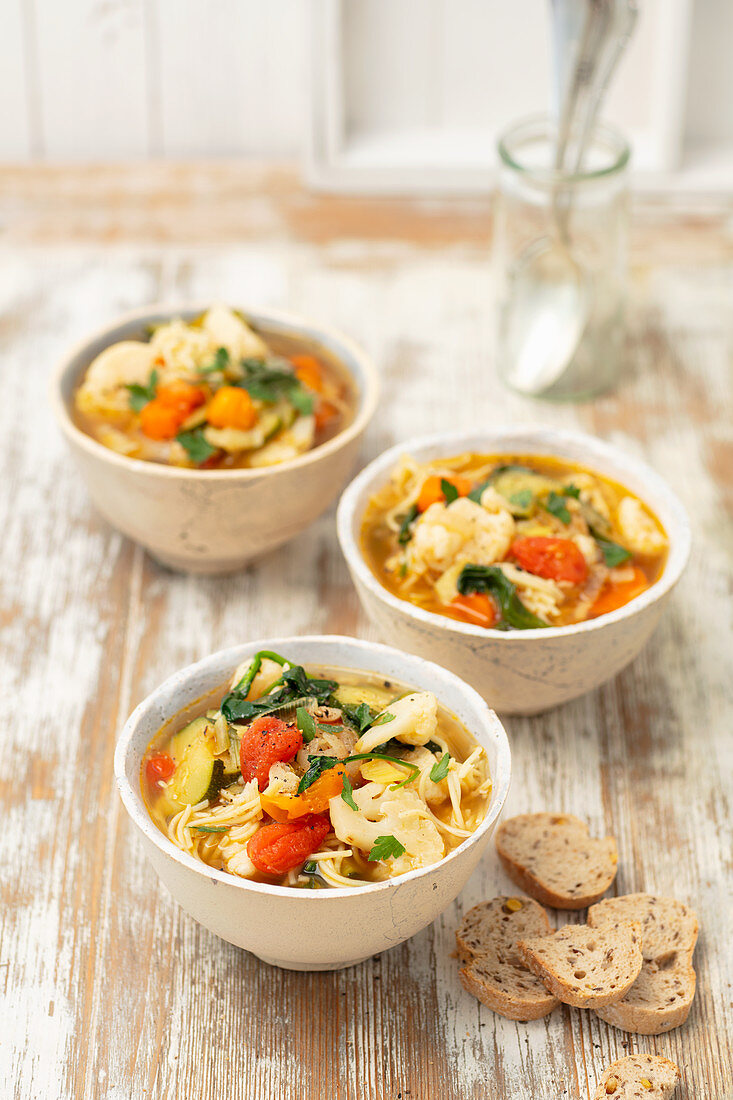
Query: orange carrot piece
x,y
314,800
615,595
308,371
432,491
477,608
231,407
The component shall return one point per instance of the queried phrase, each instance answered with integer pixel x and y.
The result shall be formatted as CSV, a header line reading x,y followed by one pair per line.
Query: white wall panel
x,y
17,94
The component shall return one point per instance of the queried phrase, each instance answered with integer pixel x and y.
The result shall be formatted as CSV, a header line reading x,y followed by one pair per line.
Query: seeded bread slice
x,y
553,858
661,996
638,1077
586,967
493,971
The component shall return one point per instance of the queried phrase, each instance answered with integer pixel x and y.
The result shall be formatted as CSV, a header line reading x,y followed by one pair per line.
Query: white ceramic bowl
x,y
304,929
527,671
213,521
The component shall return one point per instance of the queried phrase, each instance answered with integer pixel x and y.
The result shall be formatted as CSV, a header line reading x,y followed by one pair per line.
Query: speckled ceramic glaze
x,y
527,671
213,521
304,929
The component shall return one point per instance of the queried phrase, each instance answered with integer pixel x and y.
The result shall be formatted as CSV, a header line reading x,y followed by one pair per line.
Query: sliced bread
x,y
553,858
492,970
586,967
638,1077
661,996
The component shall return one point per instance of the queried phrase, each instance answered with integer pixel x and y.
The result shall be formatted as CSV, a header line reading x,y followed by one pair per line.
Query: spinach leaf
x,y
434,747
448,490
555,505
298,680
490,579
139,396
306,724
613,554
293,685
439,770
348,794
196,446
360,718
405,534
384,847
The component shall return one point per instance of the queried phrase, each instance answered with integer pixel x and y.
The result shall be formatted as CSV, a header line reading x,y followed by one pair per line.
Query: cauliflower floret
x,y
182,348
591,492
462,529
268,672
105,384
434,793
638,529
381,812
589,548
226,330
414,720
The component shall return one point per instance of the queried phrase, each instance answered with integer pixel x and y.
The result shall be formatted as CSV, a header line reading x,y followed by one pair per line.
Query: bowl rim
x,y
454,443
368,398
138,812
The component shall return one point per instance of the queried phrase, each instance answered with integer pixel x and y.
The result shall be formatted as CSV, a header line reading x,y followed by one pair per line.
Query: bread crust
x,y
553,858
662,995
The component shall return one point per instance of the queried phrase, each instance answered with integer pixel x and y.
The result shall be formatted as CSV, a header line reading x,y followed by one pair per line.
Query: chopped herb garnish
x,y
439,770
434,747
306,724
571,491
310,867
477,492
405,533
210,828
613,554
272,380
348,794
196,446
303,401
316,767
385,847
360,717
556,506
220,363
448,490
490,579
139,396
383,718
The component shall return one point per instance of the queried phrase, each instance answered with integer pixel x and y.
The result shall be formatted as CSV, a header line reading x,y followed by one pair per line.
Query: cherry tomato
x,y
432,490
477,607
160,766
265,742
556,559
277,848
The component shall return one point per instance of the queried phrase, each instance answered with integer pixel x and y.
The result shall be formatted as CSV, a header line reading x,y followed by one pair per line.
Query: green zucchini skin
x,y
199,773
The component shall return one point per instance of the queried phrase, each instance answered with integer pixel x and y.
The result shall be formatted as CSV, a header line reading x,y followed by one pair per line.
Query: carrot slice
x,y
477,607
615,595
231,407
308,371
432,490
314,800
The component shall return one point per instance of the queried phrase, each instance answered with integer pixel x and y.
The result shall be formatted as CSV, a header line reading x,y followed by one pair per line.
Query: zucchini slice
x,y
199,773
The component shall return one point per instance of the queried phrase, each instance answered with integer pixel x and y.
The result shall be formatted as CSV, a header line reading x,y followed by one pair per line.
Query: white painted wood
x,y
17,72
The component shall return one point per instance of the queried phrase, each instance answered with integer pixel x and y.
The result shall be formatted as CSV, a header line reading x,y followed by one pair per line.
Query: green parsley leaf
x,y
571,491
489,578
383,718
304,402
220,363
523,499
405,534
448,490
196,446
360,717
384,847
439,769
476,493
211,828
348,794
139,396
306,724
613,554
555,505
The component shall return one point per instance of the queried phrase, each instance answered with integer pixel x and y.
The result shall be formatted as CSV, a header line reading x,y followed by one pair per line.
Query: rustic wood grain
x,y
108,990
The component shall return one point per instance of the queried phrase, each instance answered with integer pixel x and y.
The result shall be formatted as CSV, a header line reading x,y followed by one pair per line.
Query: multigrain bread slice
x,y
492,970
586,967
553,858
638,1077
661,996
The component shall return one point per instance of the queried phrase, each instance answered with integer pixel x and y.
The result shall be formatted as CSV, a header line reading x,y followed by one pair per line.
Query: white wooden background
x,y
108,991
117,79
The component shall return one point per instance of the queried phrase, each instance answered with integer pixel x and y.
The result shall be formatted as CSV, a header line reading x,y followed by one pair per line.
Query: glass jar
x,y
561,250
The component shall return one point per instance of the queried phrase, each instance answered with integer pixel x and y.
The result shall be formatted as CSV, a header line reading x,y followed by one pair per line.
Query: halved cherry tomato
x,y
432,492
265,742
556,559
616,594
277,848
313,800
232,407
160,766
162,417
477,607
308,371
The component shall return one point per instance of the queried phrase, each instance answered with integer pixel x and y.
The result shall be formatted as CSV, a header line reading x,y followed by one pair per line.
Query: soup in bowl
x,y
308,800
535,563
211,435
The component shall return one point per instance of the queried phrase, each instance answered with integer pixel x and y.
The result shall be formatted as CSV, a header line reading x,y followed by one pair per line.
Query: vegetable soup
x,y
511,542
214,394
317,778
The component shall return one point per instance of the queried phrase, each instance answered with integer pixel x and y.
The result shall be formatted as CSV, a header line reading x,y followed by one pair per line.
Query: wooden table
x,y
108,989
